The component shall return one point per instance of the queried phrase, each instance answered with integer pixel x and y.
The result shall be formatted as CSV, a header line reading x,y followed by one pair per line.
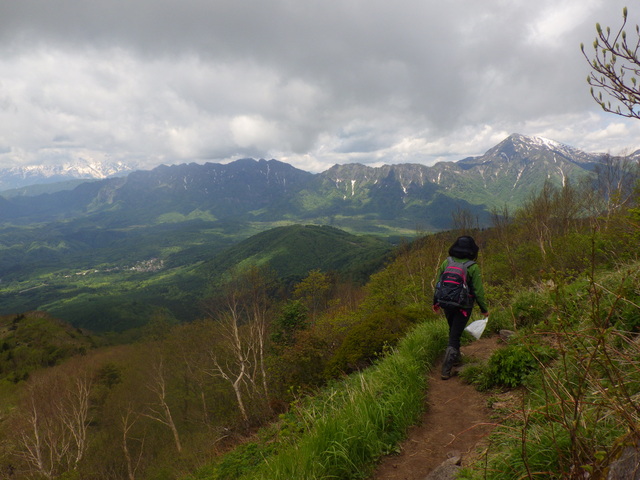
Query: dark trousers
x,y
457,319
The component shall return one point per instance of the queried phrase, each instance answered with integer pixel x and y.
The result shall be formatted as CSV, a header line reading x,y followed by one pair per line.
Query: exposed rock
x,y
627,465
505,335
447,469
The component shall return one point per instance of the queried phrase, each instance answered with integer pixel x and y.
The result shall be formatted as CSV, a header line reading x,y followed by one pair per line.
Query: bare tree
x,y
615,181
615,68
160,409
52,433
464,222
74,412
259,319
243,318
128,418
35,439
237,362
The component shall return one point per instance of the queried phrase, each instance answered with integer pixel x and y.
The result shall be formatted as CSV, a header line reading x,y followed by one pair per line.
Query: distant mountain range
x,y
82,169
354,196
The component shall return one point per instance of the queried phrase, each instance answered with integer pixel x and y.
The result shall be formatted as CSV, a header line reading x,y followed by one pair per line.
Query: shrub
x,y
367,340
530,308
510,366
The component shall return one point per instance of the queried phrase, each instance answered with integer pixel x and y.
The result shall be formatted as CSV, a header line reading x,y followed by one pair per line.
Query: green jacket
x,y
474,280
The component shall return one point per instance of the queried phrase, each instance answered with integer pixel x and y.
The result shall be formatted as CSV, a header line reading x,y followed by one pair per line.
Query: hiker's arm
x,y
478,288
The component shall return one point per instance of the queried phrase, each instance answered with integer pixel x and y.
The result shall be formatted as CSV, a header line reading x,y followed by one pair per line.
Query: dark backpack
x,y
452,289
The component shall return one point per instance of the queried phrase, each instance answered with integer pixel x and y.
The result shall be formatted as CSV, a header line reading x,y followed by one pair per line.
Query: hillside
x,y
292,252
510,172
381,200
324,379
97,290
35,340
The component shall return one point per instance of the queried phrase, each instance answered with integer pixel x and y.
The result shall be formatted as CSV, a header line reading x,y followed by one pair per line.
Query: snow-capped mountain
x,y
82,168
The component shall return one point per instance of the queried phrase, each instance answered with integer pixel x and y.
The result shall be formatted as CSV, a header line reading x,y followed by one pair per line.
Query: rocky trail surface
x,y
456,420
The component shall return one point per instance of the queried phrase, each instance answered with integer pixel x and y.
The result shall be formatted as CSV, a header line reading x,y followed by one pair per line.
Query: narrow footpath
x,y
456,420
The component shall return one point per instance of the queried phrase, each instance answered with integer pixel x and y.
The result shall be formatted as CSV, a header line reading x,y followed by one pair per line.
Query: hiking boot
x,y
458,361
450,357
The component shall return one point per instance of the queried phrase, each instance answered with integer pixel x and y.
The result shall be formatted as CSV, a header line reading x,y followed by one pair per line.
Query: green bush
x,y
570,254
510,366
621,297
367,340
530,308
500,318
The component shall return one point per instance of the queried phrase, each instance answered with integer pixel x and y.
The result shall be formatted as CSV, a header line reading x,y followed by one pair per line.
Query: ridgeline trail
x,y
456,420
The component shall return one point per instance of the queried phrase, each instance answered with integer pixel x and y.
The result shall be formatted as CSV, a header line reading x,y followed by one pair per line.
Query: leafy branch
x,y
615,69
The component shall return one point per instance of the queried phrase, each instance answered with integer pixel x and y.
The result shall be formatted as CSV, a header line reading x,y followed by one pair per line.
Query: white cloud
x,y
254,131
315,83
556,21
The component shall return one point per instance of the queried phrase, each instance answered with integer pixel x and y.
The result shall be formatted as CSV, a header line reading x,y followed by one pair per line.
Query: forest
x,y
184,397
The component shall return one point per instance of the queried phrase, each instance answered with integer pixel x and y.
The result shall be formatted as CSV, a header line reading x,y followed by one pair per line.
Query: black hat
x,y
464,247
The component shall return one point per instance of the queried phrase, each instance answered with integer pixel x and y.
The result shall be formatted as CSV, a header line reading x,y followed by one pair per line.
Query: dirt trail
x,y
456,419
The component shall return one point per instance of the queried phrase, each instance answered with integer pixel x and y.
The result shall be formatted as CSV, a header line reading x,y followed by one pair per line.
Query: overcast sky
x,y
309,82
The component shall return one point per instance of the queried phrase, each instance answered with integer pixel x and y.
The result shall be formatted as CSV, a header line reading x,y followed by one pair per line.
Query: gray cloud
x,y
313,83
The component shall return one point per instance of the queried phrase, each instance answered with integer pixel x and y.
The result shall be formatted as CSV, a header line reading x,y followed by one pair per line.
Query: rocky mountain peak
x,y
517,148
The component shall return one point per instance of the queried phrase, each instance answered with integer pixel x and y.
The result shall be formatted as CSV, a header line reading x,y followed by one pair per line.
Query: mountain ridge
x,y
396,196
82,168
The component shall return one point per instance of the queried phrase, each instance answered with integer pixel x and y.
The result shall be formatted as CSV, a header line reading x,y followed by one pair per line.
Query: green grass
x,y
580,381
341,432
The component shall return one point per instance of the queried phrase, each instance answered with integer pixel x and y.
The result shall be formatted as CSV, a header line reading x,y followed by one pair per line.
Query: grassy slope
x,y
343,430
340,432
36,340
573,366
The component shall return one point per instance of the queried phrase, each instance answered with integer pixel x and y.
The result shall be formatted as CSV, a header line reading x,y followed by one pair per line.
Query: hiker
x,y
463,251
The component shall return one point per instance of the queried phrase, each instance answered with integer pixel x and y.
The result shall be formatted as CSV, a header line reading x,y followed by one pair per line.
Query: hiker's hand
x,y
486,314
436,308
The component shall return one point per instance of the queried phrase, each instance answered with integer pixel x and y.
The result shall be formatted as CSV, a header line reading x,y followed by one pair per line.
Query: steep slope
x,y
392,196
143,197
224,190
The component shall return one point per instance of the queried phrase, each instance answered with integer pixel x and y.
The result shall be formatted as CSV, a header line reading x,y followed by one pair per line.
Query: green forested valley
x,y
307,350
120,279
